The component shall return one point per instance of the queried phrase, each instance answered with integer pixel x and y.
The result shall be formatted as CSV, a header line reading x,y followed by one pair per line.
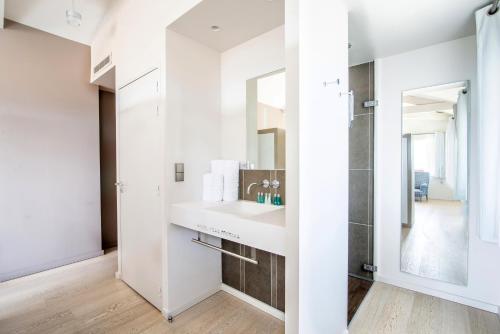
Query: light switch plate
x,y
179,177
179,167
179,172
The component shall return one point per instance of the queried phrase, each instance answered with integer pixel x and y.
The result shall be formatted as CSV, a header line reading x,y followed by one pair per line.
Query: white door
x,y
139,174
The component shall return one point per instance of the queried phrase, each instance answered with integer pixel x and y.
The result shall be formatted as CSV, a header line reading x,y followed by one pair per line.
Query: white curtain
x,y
461,116
488,61
451,154
439,162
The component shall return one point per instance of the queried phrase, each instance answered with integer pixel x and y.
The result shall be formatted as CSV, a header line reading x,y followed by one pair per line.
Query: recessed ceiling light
x,y
215,28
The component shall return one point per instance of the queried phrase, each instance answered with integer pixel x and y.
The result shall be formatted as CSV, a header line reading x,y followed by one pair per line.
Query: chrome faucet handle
x,y
275,184
265,183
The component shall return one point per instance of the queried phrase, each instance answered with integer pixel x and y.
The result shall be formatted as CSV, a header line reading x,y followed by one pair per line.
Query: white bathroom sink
x,y
245,209
253,224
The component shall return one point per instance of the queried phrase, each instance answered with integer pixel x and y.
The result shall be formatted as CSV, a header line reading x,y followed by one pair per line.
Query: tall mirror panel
x,y
434,194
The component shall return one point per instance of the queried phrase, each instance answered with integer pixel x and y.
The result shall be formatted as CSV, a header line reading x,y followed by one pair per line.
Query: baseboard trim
x,y
254,302
118,275
175,312
440,294
49,265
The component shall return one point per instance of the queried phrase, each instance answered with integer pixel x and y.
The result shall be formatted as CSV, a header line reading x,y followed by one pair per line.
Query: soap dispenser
x,y
277,200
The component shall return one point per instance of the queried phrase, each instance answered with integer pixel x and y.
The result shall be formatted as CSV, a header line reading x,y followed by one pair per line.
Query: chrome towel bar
x,y
244,258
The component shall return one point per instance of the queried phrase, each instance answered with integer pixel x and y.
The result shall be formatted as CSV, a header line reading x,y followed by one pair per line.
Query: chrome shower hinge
x,y
370,267
369,104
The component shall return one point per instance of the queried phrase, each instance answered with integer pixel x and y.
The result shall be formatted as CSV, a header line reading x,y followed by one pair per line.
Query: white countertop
x,y
257,225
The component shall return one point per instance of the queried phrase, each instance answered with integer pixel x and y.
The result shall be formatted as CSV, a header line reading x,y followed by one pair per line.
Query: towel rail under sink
x,y
241,257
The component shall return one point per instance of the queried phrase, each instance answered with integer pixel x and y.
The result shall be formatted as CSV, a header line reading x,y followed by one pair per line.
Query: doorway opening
x,y
107,159
107,146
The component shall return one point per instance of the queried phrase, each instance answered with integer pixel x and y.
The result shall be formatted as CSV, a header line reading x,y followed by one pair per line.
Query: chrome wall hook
x,y
328,83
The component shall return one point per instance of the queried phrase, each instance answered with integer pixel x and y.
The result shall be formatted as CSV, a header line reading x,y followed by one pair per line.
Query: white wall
x,y
193,128
324,145
440,189
439,64
258,56
134,32
49,153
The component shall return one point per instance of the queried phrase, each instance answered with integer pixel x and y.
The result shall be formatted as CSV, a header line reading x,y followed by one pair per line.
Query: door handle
x,y
350,107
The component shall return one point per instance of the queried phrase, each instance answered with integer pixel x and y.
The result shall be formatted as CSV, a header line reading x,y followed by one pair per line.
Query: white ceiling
x,y
431,104
377,28
239,20
381,28
50,16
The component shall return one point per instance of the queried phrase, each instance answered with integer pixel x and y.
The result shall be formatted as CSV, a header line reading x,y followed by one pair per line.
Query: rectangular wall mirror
x,y
265,120
434,194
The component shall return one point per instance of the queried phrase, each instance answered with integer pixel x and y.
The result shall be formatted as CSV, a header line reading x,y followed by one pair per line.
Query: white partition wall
x,y
323,166
193,138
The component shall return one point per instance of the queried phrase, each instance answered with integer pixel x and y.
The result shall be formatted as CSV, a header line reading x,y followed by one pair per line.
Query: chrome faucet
x,y
250,187
275,184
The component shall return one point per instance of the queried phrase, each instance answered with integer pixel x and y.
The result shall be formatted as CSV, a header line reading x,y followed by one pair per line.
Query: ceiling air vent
x,y
102,64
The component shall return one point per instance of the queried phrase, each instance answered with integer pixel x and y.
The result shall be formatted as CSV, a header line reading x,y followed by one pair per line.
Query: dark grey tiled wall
x,y
248,176
265,281
361,81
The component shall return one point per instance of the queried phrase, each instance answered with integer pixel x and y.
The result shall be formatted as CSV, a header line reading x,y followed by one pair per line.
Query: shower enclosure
x,y
361,135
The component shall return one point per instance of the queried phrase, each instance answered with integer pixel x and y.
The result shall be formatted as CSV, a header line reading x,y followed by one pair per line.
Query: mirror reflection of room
x,y
265,119
434,182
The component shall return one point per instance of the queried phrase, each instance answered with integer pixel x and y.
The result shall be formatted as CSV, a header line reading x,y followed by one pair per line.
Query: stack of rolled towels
x,y
222,183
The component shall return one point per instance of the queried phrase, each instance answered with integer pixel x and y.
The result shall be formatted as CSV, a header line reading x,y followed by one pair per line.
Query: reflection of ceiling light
x,y
215,28
73,18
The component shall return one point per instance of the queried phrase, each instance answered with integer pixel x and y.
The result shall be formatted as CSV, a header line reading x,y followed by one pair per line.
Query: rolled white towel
x,y
231,180
230,169
213,187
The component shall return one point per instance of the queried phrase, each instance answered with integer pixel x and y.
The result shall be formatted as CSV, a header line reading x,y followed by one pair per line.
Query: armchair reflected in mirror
x,y
434,233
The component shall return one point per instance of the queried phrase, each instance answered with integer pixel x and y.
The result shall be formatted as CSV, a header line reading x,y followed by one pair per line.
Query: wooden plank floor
x,y
436,246
86,298
391,310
